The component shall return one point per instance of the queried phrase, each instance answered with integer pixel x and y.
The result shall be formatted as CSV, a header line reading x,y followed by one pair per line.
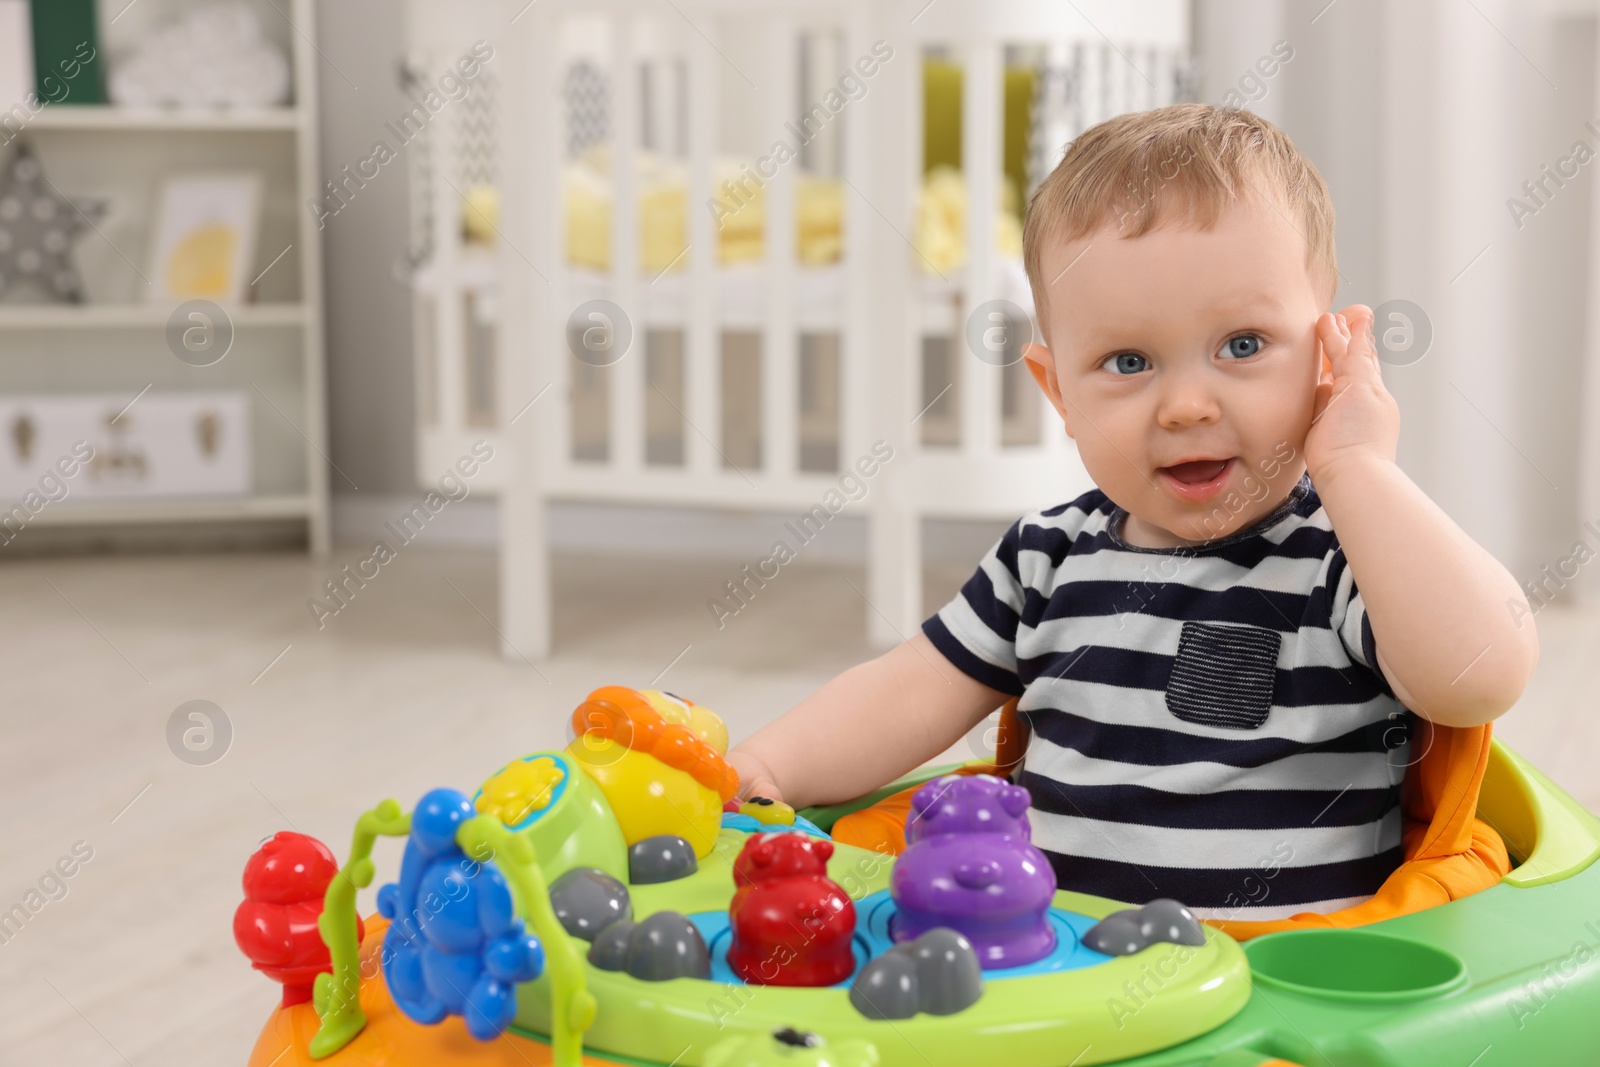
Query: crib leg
x,y
525,593
530,342
894,576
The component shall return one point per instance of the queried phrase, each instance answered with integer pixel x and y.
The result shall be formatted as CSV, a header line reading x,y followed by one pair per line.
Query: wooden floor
x,y
403,690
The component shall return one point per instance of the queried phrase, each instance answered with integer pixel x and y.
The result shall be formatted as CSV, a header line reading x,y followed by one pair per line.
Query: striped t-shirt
x,y
1208,723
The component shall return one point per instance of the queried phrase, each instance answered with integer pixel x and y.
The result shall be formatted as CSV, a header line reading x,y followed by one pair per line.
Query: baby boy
x,y
1219,649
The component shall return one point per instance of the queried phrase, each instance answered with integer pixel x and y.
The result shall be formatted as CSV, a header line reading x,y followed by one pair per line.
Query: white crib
x,y
754,385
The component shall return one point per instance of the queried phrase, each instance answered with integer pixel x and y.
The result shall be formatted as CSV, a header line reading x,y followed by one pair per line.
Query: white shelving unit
x,y
111,117
117,340
115,316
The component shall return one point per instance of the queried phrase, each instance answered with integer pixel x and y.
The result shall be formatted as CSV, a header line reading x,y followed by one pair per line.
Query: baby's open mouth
x,y
1197,471
1196,479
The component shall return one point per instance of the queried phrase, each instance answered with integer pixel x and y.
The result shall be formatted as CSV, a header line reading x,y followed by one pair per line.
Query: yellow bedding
x,y
939,230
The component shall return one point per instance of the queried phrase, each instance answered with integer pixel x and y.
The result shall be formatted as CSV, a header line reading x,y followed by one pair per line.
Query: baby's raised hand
x,y
1354,415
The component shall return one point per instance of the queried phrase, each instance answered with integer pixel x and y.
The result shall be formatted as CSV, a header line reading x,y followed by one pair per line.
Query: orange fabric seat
x,y
1449,852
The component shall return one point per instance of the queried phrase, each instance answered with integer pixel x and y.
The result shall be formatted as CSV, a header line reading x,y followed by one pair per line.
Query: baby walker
x,y
611,903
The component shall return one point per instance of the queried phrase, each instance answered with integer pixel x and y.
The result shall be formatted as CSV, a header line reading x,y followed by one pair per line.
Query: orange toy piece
x,y
1449,852
660,775
392,1039
626,716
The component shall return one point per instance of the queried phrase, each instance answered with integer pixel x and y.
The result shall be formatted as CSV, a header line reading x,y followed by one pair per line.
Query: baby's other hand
x,y
1353,415
755,780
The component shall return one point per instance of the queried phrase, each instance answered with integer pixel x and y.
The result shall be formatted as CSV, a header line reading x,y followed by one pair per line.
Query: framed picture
x,y
205,236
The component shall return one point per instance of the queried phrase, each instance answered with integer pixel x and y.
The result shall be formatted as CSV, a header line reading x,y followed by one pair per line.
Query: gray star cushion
x,y
38,227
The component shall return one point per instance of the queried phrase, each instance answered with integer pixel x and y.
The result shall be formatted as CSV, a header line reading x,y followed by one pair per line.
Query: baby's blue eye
x,y
1242,347
1126,363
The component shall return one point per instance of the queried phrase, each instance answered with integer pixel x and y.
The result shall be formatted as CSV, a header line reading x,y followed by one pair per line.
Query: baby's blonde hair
x,y
1184,162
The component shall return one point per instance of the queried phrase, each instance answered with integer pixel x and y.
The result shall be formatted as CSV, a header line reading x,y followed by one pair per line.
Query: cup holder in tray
x,y
1354,965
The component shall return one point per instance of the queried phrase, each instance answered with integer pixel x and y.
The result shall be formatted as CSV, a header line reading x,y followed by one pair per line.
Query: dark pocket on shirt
x,y
1224,675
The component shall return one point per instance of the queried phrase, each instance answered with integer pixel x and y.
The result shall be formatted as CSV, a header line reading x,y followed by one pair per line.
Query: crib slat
x,y
1057,116
779,358
1148,87
626,376
1129,84
856,342
702,381
1161,64
449,327
1093,83
1057,119
553,422
883,164
530,336
981,122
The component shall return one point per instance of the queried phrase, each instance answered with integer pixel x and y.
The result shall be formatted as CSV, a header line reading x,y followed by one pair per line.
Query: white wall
x,y
368,310
1424,118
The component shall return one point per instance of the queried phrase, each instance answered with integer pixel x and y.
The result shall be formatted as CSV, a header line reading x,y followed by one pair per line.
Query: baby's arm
x,y
1439,604
863,729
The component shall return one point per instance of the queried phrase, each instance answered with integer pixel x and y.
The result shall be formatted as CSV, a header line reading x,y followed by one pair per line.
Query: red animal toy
x,y
276,926
792,925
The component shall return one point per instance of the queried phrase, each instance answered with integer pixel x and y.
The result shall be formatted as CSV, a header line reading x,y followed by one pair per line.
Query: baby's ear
x,y
1042,365
1324,364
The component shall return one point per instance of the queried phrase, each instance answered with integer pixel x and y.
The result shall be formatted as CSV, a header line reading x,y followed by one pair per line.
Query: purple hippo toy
x,y
970,865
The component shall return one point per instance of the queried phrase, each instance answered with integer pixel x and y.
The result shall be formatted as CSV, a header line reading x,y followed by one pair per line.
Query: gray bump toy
x,y
587,901
937,974
663,858
1122,933
663,946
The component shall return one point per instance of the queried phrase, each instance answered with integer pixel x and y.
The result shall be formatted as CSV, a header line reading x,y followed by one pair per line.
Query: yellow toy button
x,y
521,788
768,812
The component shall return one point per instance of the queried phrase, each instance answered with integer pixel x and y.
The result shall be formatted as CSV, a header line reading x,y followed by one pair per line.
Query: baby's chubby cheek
x,y
1272,414
1274,440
